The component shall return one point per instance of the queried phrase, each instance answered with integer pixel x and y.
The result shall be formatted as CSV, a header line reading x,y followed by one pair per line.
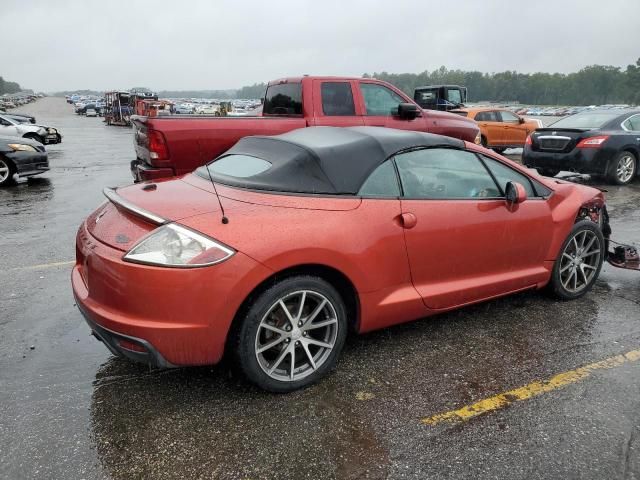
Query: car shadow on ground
x,y
208,419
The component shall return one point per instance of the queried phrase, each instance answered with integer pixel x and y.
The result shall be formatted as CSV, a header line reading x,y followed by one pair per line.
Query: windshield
x,y
588,120
10,120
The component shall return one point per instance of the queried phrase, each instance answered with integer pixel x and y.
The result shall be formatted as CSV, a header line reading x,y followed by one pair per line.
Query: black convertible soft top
x,y
326,160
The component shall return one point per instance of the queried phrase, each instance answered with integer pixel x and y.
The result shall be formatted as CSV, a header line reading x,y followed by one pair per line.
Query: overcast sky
x,y
219,44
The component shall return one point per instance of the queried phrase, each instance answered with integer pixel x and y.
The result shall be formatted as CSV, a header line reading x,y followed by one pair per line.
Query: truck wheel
x,y
7,171
291,335
579,261
483,141
622,168
499,151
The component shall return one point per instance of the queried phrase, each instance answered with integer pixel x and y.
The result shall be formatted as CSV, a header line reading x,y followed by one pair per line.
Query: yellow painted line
x,y
529,391
42,266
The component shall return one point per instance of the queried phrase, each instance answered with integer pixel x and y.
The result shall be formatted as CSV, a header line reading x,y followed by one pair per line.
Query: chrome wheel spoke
x,y
592,252
312,326
302,299
269,346
313,341
293,362
273,329
305,346
287,313
278,360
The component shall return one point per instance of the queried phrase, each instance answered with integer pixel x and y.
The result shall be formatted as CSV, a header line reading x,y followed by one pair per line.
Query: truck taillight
x,y
593,142
157,145
528,141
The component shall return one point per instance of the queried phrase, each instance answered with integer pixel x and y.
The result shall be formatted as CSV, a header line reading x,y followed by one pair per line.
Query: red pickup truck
x,y
178,144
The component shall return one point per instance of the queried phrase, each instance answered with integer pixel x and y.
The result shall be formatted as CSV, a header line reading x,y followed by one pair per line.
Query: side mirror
x,y
521,120
515,193
407,111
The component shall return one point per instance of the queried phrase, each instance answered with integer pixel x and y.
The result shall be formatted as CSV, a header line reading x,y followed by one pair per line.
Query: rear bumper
x,y
142,172
587,160
112,340
179,316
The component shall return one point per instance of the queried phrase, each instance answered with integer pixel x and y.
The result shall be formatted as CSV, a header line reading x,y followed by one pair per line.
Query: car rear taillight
x,y
593,142
527,141
158,149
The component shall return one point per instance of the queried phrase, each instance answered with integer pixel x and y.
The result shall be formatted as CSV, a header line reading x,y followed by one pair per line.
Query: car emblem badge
x,y
554,133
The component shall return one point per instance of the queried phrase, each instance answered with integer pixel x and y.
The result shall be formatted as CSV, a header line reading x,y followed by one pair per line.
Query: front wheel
x,y
292,334
7,170
579,262
622,168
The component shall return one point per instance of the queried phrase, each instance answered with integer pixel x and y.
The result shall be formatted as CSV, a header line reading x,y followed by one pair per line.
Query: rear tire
x,y
579,262
623,168
483,141
499,151
281,351
7,171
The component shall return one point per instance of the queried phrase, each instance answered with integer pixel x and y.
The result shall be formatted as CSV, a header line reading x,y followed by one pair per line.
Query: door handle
x,y
408,220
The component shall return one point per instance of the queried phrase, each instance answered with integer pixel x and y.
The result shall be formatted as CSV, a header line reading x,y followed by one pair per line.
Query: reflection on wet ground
x,y
71,410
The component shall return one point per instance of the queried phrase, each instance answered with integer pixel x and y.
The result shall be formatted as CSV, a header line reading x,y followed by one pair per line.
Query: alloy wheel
x,y
580,261
5,171
296,335
625,168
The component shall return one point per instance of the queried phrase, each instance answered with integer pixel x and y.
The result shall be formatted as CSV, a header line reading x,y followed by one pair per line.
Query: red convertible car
x,y
274,250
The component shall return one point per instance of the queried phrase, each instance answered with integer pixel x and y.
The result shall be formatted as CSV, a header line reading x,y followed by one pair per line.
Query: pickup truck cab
x,y
175,145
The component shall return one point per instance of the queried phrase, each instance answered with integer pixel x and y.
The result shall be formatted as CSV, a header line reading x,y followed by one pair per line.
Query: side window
x,y
379,100
283,99
337,99
632,123
440,173
453,94
383,182
505,174
489,116
509,117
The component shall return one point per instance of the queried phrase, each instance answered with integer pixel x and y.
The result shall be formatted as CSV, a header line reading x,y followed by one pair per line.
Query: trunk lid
x,y
134,211
557,140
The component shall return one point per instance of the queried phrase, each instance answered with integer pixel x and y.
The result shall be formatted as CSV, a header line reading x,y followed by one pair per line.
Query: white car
x,y
91,112
207,109
44,135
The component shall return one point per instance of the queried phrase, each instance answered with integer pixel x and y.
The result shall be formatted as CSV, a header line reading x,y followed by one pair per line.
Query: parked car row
x,y
9,101
22,145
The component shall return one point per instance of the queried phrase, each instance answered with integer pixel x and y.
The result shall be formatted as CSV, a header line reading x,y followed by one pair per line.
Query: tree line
x,y
592,85
8,87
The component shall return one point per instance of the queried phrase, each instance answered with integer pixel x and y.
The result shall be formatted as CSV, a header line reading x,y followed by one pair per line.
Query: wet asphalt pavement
x,y
69,409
